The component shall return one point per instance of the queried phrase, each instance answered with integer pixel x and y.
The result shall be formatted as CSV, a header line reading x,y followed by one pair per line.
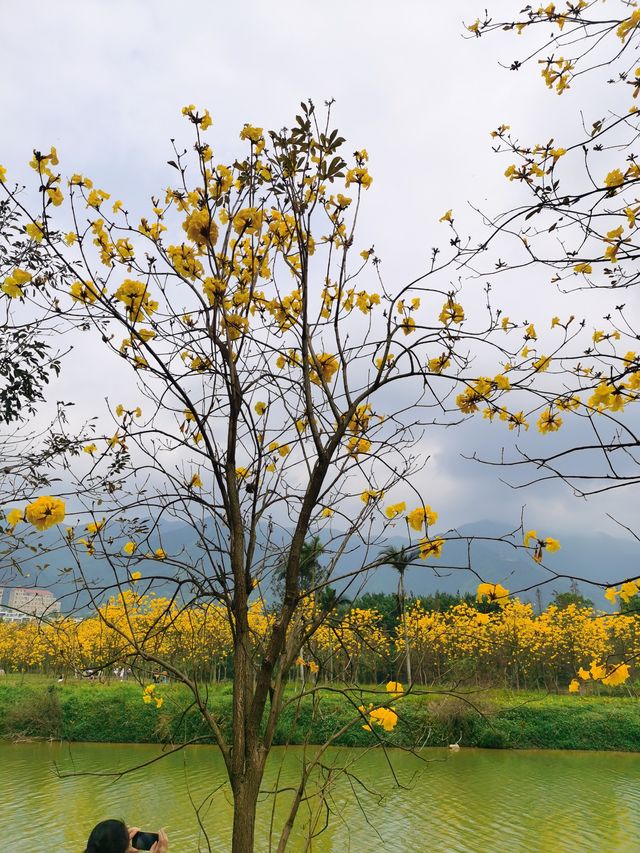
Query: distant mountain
x,y
589,557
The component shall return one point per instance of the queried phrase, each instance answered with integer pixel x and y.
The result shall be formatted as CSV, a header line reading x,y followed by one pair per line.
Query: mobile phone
x,y
144,840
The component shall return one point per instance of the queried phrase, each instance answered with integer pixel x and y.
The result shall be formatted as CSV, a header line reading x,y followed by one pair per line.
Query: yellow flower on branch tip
x,y
549,422
201,228
12,285
85,292
532,540
327,512
584,674
160,554
253,134
430,548
119,410
437,365
597,671
355,446
542,364
615,178
241,472
384,717
584,268
492,592
447,217
14,516
628,590
96,197
574,686
611,594
45,512
394,687
195,482
395,509
96,526
370,495
260,408
421,516
3,174
135,296
618,675
135,576
129,548
34,231
452,312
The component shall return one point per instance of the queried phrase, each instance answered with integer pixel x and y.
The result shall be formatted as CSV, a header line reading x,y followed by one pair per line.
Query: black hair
x,y
109,836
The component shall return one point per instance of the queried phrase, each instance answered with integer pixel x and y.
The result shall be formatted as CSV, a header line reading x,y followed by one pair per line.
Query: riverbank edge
x,y
115,713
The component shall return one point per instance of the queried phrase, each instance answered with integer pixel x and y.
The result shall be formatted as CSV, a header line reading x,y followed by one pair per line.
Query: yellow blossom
x,y
492,592
421,516
14,516
45,512
615,178
195,482
35,231
549,422
395,509
430,548
370,495
618,675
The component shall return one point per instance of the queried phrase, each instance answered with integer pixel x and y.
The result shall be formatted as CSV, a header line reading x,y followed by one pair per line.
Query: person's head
x,y
109,836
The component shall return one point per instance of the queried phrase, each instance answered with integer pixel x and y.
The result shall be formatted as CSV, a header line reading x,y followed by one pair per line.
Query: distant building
x,y
33,602
12,616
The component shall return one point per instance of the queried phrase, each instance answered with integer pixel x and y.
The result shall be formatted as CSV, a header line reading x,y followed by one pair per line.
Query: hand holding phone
x,y
144,840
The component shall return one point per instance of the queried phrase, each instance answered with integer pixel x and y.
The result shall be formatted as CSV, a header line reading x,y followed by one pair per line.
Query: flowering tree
x,y
577,219
282,391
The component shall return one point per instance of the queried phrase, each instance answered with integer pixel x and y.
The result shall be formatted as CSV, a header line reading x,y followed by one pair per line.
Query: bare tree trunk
x,y
245,799
407,648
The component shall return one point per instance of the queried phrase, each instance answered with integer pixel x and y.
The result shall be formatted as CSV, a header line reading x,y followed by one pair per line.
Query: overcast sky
x,y
105,80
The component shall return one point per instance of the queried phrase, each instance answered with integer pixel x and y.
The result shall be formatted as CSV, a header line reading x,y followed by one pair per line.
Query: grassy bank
x,y
35,707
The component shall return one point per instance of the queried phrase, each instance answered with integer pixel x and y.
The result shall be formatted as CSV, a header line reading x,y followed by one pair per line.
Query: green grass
x,y
38,707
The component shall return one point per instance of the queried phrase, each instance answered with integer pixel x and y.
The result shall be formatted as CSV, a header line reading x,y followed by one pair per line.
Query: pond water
x,y
473,801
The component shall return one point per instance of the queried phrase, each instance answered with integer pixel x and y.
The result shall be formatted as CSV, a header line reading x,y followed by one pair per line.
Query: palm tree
x,y
400,559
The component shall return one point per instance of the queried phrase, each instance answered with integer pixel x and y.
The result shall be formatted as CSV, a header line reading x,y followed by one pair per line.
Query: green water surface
x,y
473,801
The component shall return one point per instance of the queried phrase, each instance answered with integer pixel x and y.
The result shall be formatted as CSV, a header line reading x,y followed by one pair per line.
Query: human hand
x,y
132,831
162,844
